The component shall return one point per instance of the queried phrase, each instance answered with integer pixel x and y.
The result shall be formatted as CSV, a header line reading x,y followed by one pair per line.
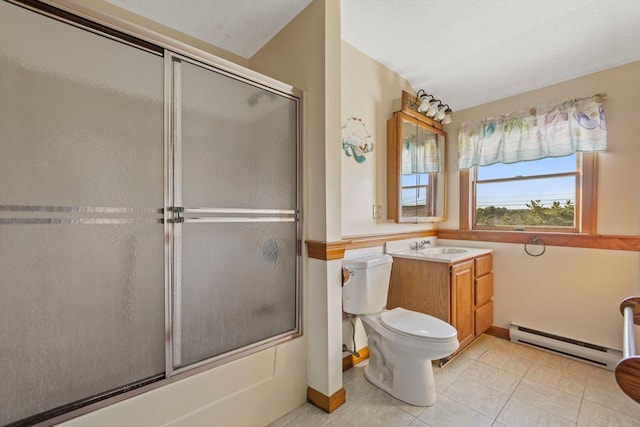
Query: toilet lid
x,y
417,324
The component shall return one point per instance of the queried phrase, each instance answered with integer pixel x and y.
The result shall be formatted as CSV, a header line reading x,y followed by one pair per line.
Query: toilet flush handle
x,y
346,275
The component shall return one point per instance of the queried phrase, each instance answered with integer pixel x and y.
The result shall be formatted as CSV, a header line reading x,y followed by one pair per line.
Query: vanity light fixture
x,y
432,107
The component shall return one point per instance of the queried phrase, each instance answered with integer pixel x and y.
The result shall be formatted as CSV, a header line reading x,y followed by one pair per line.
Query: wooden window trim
x,y
589,194
335,250
574,240
465,200
588,236
586,201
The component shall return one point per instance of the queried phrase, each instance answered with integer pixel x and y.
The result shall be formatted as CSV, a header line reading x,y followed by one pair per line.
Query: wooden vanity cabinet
x,y
462,301
461,294
483,293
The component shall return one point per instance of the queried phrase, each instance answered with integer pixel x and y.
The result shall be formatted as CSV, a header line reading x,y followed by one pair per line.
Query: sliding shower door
x,y
81,197
235,214
149,214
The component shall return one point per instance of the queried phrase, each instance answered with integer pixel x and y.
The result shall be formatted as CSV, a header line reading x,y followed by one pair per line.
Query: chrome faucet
x,y
420,245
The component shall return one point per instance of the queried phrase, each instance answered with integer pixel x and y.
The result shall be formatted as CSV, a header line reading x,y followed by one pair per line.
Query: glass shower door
x,y
81,234
149,215
235,197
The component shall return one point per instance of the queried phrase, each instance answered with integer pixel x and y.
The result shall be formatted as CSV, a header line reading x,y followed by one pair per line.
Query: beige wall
x,y
307,54
368,92
573,292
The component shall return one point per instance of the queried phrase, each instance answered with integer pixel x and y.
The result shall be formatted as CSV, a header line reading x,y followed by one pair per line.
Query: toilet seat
x,y
417,325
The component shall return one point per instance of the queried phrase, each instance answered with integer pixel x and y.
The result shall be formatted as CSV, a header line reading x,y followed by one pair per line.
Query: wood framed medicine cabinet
x,y
416,166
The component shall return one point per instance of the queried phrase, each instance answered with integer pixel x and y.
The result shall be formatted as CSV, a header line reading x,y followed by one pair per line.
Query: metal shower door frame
x,y
175,215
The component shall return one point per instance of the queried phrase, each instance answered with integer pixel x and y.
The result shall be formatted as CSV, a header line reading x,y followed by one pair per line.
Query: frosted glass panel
x,y
238,143
81,116
238,286
81,191
81,312
237,271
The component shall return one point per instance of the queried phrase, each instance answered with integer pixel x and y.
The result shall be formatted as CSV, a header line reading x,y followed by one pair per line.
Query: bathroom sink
x,y
432,251
441,250
438,253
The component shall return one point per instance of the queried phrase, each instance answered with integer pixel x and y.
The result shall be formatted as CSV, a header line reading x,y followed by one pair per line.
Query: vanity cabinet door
x,y
484,289
484,264
484,317
462,301
420,286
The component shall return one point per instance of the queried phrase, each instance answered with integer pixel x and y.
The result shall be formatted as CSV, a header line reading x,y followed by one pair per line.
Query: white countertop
x,y
432,251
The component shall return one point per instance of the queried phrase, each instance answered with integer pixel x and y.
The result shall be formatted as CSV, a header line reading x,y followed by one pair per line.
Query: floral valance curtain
x,y
421,155
549,130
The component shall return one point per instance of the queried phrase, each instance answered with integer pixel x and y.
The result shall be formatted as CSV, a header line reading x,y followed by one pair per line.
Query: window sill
x,y
575,240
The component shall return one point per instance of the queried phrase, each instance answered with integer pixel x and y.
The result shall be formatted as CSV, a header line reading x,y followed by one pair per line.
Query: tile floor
x,y
491,383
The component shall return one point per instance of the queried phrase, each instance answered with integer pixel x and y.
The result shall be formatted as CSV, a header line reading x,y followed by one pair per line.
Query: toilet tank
x,y
368,284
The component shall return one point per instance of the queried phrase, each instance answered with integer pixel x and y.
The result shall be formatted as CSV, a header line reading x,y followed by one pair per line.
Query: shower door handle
x,y
176,217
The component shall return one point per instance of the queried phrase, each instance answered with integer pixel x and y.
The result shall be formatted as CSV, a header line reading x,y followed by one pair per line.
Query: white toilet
x,y
402,343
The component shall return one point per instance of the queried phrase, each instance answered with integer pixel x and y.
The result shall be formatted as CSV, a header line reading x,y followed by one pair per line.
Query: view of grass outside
x,y
536,214
527,194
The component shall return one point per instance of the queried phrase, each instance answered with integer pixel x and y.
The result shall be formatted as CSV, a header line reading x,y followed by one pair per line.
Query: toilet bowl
x,y
402,343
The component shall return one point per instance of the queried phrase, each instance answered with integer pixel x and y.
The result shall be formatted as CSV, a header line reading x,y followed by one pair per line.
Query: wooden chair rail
x,y
628,369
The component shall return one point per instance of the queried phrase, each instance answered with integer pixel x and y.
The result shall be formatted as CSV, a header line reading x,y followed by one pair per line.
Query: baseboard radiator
x,y
594,354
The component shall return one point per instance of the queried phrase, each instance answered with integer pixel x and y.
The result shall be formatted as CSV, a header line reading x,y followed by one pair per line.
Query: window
x,y
534,168
553,194
540,194
418,194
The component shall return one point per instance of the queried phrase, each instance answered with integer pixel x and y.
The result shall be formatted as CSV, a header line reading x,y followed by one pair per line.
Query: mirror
x,y
416,169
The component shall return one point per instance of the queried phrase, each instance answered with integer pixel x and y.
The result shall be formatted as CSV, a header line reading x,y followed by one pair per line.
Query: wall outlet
x,y
377,212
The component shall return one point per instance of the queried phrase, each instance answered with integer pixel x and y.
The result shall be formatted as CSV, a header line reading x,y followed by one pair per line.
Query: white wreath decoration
x,y
356,139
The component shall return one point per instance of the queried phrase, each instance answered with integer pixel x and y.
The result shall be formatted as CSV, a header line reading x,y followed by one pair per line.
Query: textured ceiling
x,y
465,52
241,27
468,52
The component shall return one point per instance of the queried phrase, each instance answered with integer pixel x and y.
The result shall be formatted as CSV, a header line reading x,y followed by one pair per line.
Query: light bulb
x,y
433,109
440,114
447,119
424,105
